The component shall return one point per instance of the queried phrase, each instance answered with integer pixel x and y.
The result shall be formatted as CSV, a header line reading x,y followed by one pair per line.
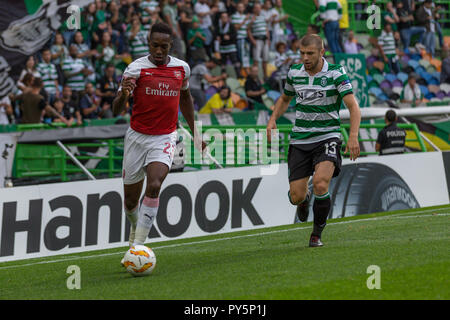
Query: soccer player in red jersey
x,y
159,85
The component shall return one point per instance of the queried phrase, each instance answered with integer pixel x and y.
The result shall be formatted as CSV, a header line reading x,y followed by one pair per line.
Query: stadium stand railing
x,y
51,163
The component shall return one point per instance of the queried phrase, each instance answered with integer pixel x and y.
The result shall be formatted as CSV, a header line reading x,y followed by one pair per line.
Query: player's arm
x,y
187,109
119,103
355,120
280,108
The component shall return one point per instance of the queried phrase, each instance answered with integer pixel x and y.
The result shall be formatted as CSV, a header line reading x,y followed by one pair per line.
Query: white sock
x,y
132,216
147,214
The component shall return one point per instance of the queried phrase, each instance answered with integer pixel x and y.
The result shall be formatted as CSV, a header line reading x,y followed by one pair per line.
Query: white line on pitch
x,y
396,216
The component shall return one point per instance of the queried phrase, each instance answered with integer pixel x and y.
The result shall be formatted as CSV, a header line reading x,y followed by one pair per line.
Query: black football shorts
x,y
302,158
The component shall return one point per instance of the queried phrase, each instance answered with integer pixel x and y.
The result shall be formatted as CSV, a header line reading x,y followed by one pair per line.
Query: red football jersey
x,y
156,96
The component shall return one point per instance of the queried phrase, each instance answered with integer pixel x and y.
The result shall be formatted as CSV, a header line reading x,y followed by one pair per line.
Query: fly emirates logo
x,y
162,90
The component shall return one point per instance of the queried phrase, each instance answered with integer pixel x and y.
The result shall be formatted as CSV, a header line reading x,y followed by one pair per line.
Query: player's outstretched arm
x,y
187,109
280,108
355,120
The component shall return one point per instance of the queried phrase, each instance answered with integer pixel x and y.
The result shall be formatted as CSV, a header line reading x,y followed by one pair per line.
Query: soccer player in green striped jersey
x,y
319,89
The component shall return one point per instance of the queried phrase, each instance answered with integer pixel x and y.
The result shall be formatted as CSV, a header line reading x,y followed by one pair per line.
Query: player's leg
x,y
132,193
133,177
300,169
322,203
300,195
327,164
156,173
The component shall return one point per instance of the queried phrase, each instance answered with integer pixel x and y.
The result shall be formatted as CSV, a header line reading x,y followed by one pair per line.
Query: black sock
x,y
321,209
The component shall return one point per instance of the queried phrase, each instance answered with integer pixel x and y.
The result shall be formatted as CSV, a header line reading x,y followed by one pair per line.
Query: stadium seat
x,y
397,83
274,95
445,87
424,63
385,84
402,76
232,83
390,77
413,63
441,95
397,90
378,78
424,90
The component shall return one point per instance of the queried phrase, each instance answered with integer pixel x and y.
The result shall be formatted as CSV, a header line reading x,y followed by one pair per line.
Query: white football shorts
x,y
142,149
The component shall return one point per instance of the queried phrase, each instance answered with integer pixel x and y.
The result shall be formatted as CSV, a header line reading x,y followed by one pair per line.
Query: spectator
x,y
253,88
282,62
219,103
6,110
148,7
90,105
107,53
186,13
425,19
49,75
169,12
269,15
84,53
388,51
258,34
391,139
390,16
137,38
107,86
62,113
445,72
33,104
411,92
240,21
294,52
350,45
226,43
279,28
200,74
204,13
70,103
75,72
196,42
331,13
30,67
59,50
343,24
406,28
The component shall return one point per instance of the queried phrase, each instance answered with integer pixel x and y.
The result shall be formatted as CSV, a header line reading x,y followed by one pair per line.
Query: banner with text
x,y
72,217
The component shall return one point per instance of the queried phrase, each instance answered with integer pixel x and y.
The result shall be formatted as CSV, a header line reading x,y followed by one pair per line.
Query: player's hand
x,y
271,125
128,85
353,148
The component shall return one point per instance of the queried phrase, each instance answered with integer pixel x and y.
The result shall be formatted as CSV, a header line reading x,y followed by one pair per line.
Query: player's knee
x,y
320,186
153,187
131,203
297,196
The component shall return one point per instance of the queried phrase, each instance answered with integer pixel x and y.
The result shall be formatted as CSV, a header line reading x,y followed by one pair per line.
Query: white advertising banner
x,y
72,217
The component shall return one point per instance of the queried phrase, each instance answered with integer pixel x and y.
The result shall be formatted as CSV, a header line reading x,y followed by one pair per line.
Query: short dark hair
x,y
161,27
312,39
391,116
37,83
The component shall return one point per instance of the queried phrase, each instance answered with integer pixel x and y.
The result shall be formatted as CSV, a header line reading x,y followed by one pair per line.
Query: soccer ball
x,y
139,261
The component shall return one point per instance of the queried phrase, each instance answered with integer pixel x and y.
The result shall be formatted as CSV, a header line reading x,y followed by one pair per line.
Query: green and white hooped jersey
x,y
318,101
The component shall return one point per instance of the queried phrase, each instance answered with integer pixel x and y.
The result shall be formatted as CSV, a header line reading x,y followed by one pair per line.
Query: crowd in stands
x,y
403,64
239,51
76,75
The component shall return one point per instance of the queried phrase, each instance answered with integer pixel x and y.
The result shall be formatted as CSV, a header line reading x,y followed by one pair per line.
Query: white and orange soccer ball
x,y
139,260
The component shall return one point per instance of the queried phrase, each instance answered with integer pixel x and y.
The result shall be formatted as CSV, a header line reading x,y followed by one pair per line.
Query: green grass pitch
x,y
410,247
